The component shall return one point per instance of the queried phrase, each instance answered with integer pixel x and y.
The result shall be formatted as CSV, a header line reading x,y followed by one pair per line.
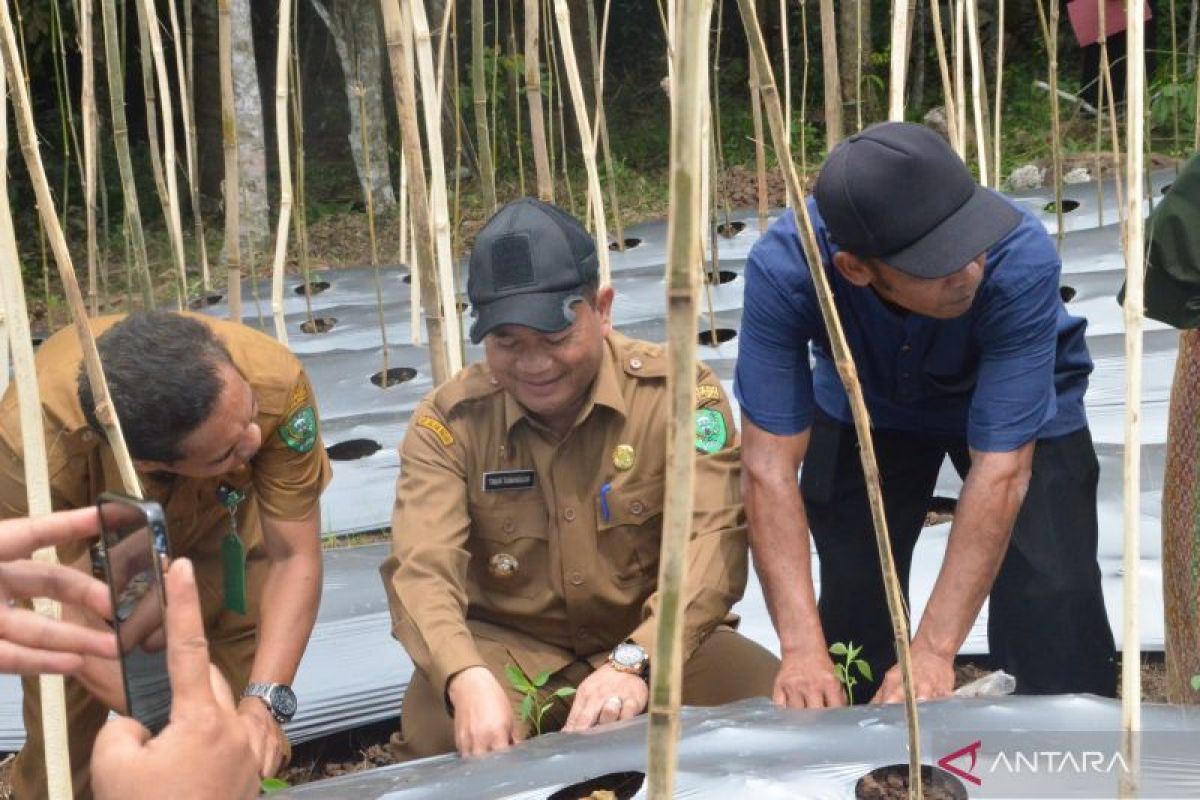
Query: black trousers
x,y
1046,621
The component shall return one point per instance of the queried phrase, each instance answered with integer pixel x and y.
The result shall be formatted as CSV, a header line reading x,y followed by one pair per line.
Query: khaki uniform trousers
x,y
725,667
232,642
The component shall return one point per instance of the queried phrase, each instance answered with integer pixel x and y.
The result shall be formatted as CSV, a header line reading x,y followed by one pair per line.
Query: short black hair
x,y
163,372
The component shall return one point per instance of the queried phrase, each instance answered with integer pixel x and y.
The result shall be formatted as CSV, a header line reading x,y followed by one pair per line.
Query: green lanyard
x,y
233,553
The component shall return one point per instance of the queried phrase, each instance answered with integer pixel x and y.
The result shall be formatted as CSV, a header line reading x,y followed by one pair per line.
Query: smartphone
x,y
134,553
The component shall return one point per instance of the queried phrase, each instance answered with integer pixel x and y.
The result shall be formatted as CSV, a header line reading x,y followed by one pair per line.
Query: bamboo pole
x,y
487,172
384,379
948,98
1050,34
804,90
595,193
54,704
560,109
150,99
978,92
88,111
1135,253
514,90
187,111
833,88
601,127
784,38
858,62
960,91
760,148
533,98
1176,85
233,222
299,208
899,59
398,36
999,100
844,361
432,105
174,224
689,97
283,39
120,133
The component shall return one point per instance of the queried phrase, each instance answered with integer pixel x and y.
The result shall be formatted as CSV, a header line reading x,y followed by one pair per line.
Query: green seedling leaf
x,y
1196,683
840,671
526,710
865,669
565,691
270,785
837,649
517,678
853,652
541,679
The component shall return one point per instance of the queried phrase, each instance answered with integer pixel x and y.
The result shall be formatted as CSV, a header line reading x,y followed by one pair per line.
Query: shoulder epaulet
x,y
640,359
472,383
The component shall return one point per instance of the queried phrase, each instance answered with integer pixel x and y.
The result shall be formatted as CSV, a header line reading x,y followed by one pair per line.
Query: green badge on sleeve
x,y
300,430
711,433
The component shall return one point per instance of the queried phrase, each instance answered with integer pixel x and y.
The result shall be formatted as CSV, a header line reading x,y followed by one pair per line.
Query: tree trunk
x,y
354,26
251,137
855,66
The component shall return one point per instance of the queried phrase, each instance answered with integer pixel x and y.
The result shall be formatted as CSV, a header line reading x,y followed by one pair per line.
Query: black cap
x,y
897,192
528,267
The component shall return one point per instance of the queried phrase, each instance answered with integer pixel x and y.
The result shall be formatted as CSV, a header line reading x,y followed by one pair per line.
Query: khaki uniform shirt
x,y
501,538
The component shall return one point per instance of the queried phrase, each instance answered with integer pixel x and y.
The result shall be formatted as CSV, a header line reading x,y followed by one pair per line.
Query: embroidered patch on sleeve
x,y
706,392
299,396
711,433
443,433
300,431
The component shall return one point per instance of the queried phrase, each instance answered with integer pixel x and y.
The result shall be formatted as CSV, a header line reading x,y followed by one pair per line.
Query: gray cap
x,y
529,264
897,192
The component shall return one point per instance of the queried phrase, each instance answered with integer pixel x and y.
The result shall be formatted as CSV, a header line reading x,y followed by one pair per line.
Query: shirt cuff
x,y
451,657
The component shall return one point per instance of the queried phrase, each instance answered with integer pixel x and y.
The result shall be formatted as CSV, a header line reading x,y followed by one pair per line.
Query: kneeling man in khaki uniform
x,y
528,514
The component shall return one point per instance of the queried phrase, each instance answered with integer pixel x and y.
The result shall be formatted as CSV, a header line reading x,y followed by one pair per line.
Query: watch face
x,y
283,701
629,655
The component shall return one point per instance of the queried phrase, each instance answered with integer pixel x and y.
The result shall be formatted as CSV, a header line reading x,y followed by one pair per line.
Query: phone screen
x,y
135,553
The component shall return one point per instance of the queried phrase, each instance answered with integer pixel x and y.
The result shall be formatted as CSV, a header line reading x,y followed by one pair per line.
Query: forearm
x,y
979,535
290,599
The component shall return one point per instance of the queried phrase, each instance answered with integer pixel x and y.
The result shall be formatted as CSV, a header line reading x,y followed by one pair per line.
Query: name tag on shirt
x,y
508,479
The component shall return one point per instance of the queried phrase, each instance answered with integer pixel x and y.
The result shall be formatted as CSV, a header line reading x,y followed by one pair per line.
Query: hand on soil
x,y
483,715
201,753
808,681
933,677
264,735
594,703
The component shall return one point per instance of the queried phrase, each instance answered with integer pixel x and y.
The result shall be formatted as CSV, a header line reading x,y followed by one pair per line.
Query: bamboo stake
x,y
595,193
899,62
533,98
514,89
283,39
960,91
833,88
948,98
1135,253
150,98
384,380
996,139
560,109
858,62
1106,77
804,91
437,195
787,69
88,110
844,360
174,224
186,99
116,99
233,222
405,257
1050,34
487,172
1174,75
54,704
601,126
398,36
760,148
689,96
299,210
978,92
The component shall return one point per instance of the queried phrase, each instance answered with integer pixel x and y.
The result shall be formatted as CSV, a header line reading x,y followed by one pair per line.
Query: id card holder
x,y
233,553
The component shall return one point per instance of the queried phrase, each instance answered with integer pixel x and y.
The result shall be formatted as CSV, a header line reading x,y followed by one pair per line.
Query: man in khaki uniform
x,y
528,514
221,423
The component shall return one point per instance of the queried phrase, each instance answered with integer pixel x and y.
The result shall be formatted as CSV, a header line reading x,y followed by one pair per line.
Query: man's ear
x,y
604,301
852,268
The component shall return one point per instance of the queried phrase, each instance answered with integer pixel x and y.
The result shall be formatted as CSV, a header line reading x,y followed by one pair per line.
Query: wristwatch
x,y
279,699
630,658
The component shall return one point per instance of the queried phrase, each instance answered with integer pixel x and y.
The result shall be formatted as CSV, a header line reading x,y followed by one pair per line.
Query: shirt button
x,y
635,363
569,515
905,348
508,526
576,578
87,436
636,507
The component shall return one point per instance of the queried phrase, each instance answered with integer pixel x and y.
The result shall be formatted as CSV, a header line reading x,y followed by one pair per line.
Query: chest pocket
x,y
508,545
630,539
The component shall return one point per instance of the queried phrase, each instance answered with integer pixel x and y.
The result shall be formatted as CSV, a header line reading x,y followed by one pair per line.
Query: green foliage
x,y
850,662
536,703
1196,683
272,785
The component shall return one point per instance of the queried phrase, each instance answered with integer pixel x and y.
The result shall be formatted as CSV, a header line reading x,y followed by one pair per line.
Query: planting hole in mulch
x,y
622,785
352,449
318,324
629,243
723,276
731,229
1067,206
314,287
1067,293
1166,188
407,278
208,300
891,783
395,375
722,335
462,307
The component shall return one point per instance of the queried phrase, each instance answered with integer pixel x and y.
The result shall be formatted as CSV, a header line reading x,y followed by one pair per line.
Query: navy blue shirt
x,y
1012,369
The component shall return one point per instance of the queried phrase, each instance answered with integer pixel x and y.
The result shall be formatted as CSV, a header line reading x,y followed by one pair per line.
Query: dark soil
x,y
891,783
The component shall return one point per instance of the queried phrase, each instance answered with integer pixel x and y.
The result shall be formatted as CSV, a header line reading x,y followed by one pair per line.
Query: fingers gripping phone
x,y
134,553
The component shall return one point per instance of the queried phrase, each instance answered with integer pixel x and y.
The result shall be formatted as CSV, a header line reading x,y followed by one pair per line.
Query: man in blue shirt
x,y
949,297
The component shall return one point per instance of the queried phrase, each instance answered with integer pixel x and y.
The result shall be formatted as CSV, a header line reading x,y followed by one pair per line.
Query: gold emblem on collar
x,y
623,457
